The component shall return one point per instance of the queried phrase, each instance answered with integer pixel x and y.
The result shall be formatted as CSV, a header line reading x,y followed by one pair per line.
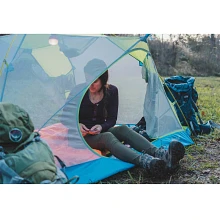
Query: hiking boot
x,y
156,166
172,156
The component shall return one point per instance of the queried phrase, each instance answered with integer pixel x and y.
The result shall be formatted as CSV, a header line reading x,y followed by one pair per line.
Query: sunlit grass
x,y
208,89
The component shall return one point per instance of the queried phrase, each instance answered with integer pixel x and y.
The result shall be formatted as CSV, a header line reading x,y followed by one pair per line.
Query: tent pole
x,y
6,55
5,61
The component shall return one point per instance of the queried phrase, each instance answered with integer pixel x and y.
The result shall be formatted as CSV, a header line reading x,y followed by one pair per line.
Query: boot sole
x,y
158,168
177,152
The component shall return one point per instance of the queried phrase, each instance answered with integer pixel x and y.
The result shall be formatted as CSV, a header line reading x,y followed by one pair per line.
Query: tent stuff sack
x,y
180,91
24,157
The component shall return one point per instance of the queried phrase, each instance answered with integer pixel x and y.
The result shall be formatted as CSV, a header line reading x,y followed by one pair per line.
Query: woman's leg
x,y
108,141
172,156
135,140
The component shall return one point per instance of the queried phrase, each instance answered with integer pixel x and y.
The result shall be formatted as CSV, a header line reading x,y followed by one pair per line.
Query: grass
x,y
201,160
208,89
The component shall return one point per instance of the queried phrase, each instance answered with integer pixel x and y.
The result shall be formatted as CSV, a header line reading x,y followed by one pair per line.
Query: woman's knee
x,y
123,128
109,141
107,136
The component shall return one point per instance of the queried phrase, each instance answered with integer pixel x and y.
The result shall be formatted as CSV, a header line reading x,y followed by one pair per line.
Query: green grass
x,y
208,89
197,156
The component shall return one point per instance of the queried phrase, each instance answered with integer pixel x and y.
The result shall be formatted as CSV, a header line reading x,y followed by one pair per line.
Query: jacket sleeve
x,y
112,109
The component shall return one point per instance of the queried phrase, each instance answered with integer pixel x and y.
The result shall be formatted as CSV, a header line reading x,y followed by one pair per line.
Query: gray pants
x,y
112,141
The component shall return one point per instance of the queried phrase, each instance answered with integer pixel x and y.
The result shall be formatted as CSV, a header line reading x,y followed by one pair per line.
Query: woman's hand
x,y
95,130
84,130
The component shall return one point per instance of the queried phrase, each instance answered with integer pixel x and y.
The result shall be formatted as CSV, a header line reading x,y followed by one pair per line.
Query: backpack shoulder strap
x,y
9,176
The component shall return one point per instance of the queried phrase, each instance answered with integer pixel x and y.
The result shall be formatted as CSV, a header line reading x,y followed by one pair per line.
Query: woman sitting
x,y
97,118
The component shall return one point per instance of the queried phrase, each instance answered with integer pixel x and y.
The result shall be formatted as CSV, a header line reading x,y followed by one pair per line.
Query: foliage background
x,y
186,54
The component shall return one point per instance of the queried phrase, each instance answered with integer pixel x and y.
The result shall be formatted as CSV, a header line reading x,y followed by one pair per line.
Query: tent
x,y
38,71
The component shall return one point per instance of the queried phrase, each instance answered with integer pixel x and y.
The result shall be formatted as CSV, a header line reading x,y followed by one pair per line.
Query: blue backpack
x,y
180,90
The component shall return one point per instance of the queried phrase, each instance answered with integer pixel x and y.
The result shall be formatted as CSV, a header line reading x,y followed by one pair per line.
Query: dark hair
x,y
104,79
93,68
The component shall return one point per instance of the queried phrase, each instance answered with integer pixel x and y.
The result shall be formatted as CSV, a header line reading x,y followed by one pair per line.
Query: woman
x,y
97,117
